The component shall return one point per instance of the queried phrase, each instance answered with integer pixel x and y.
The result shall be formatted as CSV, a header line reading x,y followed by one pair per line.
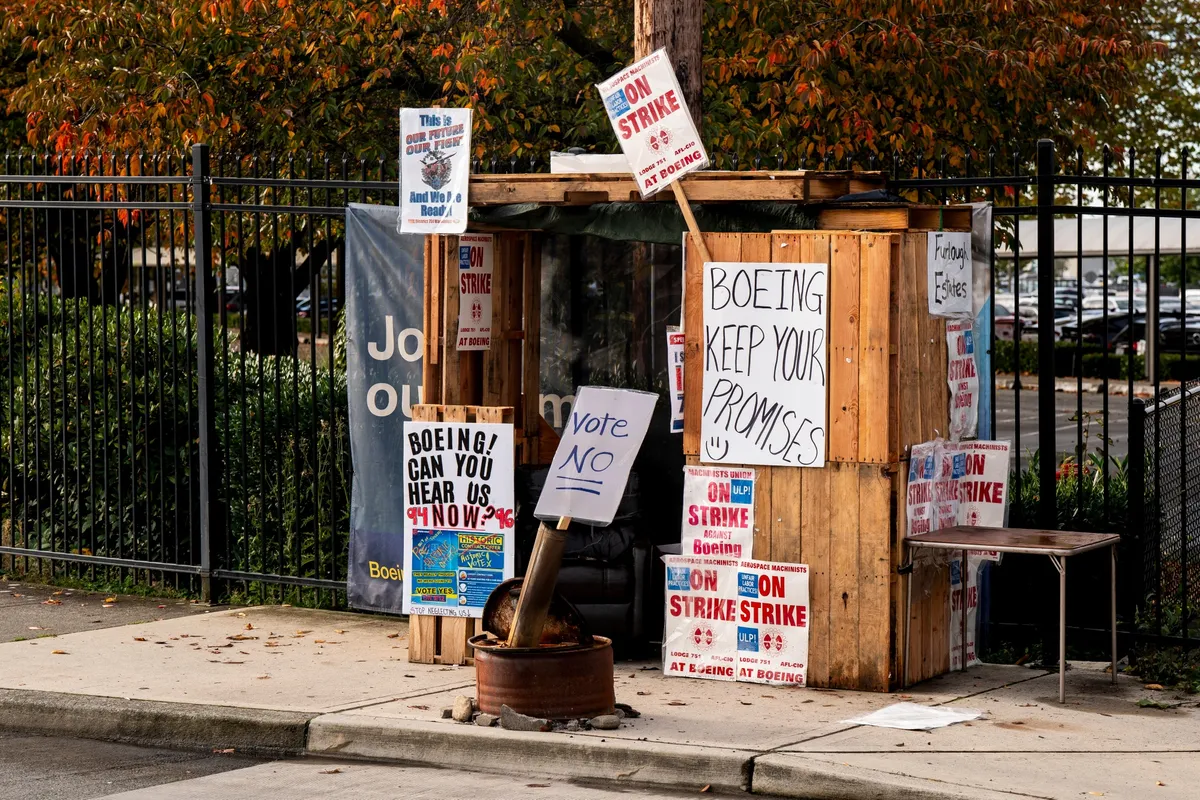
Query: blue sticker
x,y
616,103
928,471
969,341
679,579
960,466
748,639
464,257
955,573
912,470
747,584
742,491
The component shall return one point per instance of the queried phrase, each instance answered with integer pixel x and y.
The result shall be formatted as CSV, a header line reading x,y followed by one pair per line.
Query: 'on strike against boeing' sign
x,y
764,352
652,122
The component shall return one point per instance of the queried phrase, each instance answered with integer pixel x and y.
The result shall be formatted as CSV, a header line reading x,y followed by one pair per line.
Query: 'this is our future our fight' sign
x,y
435,169
460,515
764,358
475,291
950,273
718,511
591,465
730,619
652,122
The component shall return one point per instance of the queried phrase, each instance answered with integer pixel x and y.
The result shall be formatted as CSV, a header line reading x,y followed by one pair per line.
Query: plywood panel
x,y
874,576
722,247
843,347
843,585
815,535
873,347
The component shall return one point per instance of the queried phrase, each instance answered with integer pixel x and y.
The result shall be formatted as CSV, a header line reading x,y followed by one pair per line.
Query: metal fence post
x,y
1047,441
205,305
1134,539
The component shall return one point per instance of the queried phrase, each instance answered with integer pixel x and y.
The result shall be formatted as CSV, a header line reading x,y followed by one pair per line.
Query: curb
x,y
149,722
794,775
579,757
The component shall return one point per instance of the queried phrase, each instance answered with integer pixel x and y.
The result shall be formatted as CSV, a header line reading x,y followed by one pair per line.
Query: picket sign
x,y
765,371
675,342
599,444
950,273
458,531
435,169
718,512
475,259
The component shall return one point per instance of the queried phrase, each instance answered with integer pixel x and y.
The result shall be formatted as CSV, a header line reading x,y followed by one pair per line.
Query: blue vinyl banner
x,y
384,348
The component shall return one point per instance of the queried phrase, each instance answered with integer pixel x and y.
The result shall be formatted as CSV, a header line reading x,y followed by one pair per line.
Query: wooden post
x,y
538,588
675,25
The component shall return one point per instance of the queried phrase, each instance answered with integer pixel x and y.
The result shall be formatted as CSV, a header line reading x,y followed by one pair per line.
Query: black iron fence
x,y
175,406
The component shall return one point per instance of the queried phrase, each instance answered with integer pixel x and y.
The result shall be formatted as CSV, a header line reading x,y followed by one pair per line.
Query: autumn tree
x,y
808,76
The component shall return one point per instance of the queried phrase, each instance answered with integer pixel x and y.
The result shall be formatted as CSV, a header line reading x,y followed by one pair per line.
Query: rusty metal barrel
x,y
553,682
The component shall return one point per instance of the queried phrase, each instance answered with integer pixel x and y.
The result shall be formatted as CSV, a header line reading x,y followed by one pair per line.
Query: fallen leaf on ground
x,y
241,613
707,788
110,599
262,677
139,638
677,703
1159,704
301,633
537,786
249,627
745,702
270,644
410,676
420,708
1155,686
109,605
57,594
14,594
1159,783
36,628
58,652
393,636
318,641
338,631
224,752
52,602
1097,794
240,638
162,606
334,771
233,662
643,693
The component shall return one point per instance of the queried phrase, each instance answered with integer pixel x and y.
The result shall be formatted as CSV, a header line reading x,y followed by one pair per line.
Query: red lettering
x,y
675,608
672,100
623,125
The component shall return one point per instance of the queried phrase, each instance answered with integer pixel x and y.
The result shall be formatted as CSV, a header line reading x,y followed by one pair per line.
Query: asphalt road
x,y
1066,429
47,768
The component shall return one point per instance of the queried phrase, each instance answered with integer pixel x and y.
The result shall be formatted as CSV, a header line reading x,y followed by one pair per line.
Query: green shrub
x,y
1111,365
1080,494
103,432
1173,367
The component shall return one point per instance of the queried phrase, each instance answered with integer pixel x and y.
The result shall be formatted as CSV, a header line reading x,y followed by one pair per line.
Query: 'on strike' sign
x,y
652,122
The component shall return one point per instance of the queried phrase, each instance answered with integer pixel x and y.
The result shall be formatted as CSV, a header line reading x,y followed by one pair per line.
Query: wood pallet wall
x,y
887,390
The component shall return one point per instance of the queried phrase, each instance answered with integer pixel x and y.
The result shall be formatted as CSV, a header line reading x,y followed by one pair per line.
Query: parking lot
x,y
1066,428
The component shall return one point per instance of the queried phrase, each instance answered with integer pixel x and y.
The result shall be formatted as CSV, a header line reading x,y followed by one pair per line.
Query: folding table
x,y
1058,545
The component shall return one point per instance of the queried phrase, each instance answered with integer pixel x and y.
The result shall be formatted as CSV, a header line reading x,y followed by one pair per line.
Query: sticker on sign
x,y
652,122
591,465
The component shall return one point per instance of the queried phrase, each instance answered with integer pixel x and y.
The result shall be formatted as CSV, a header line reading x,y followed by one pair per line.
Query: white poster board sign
x,y
718,512
475,291
956,610
983,489
591,465
657,134
949,273
963,377
458,531
699,639
772,630
435,169
764,356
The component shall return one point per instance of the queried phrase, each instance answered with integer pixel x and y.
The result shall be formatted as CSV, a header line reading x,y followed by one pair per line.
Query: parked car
x,y
304,307
1175,333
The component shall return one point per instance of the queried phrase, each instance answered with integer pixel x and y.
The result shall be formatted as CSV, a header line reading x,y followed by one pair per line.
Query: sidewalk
x,y
289,680
1117,387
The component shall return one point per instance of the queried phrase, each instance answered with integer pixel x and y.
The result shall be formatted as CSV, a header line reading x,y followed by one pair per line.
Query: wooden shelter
x,y
887,390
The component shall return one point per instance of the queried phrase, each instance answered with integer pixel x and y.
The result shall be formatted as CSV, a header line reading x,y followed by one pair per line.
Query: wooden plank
x,y
514,333
874,332
451,391
431,367
722,247
894,408
844,590
842,424
910,333
874,577
494,357
815,536
422,639
863,219
898,582
708,186
940,218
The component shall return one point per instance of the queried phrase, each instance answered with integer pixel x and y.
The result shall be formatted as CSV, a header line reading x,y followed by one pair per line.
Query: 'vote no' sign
x,y
599,443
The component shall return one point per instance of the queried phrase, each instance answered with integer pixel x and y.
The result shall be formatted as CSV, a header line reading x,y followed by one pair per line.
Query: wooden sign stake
x,y
537,590
690,218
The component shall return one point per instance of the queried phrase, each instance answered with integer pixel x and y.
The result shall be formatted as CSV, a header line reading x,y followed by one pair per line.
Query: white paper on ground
x,y
915,717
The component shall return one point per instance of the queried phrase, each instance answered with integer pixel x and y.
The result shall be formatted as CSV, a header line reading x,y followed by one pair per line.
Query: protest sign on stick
x,y
435,169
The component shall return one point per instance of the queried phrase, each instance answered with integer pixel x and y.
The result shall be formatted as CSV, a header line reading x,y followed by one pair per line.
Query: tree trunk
x,y
675,25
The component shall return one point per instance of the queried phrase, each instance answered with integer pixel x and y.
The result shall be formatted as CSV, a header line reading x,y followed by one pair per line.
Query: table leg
x,y
962,608
1113,550
1062,629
